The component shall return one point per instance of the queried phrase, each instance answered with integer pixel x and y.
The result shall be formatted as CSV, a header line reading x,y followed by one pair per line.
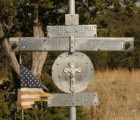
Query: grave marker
x,y
72,71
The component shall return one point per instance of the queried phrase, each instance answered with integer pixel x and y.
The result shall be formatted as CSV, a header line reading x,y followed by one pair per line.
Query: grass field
x,y
119,95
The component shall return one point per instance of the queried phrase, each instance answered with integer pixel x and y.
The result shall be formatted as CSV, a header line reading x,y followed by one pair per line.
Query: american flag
x,y
31,89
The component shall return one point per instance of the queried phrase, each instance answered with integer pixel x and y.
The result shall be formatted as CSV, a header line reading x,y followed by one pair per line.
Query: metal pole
x,y
73,113
71,6
72,11
22,114
42,118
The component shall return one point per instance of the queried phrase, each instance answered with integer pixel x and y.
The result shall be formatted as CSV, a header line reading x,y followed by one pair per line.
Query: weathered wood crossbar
x,y
71,43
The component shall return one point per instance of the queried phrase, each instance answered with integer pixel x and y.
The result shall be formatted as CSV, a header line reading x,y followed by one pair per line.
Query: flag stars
x,y
29,80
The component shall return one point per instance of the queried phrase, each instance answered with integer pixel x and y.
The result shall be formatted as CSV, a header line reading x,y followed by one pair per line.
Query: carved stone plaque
x,y
72,73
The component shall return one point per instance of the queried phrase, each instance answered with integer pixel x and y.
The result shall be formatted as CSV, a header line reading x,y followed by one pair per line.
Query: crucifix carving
x,y
72,70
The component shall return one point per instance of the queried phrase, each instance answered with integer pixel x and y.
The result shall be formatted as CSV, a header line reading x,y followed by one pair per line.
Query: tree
x,y
114,18
28,17
33,16
7,24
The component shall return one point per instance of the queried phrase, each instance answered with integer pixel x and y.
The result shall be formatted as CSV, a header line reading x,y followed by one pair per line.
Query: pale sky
x,y
138,4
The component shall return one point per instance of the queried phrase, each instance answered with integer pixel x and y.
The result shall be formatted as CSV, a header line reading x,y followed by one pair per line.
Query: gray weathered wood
x,y
76,99
64,44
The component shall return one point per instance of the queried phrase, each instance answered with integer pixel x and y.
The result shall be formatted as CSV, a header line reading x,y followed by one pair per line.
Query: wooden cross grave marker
x,y
71,37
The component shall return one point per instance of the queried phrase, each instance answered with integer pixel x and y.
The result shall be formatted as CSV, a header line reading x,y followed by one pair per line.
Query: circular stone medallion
x,y
72,73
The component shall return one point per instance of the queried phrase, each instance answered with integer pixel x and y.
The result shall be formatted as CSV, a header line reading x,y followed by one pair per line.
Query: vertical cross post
x,y
73,113
72,11
71,6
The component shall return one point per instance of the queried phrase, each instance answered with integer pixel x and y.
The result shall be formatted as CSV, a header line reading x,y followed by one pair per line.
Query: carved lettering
x,y
108,44
77,31
44,44
86,45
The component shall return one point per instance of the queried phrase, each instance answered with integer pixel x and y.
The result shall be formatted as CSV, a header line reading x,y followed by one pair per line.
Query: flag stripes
x,y
31,89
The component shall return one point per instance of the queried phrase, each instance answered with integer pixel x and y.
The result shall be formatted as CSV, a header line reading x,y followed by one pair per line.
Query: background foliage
x,y
113,18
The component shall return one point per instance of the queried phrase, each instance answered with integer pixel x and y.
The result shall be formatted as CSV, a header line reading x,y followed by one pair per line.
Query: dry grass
x,y
119,95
